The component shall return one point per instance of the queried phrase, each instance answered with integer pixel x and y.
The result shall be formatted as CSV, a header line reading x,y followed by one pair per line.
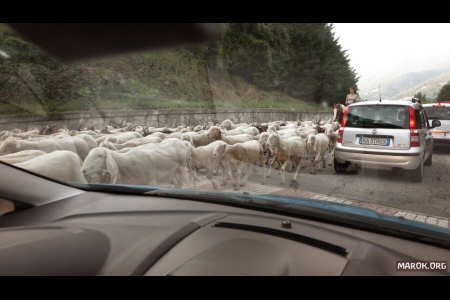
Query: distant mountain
x,y
405,84
429,87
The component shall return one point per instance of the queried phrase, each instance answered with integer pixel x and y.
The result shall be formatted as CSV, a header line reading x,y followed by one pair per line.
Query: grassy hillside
x,y
166,79
224,74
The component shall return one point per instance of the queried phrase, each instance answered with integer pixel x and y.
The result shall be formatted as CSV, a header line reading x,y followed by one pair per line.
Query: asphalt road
x,y
392,189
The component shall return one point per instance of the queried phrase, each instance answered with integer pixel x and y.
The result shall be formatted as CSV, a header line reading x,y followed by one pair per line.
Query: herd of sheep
x,y
141,155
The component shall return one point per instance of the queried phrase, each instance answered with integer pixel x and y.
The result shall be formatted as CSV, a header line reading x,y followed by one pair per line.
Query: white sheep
x,y
240,138
227,124
75,144
202,139
198,128
151,164
286,150
21,156
209,157
123,137
59,165
238,157
318,145
131,143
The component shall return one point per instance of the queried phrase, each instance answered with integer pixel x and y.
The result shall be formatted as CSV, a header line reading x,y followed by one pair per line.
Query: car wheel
x,y
417,174
340,168
429,161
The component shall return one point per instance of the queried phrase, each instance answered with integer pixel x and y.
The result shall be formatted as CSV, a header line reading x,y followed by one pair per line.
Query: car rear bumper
x,y
378,160
440,135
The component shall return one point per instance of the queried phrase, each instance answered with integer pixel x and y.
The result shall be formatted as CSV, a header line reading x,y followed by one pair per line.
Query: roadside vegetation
x,y
280,66
444,93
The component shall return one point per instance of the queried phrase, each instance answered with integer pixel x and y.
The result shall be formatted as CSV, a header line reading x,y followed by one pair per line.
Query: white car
x,y
439,111
388,134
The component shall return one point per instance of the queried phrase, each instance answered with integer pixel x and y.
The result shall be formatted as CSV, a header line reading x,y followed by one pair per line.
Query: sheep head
x,y
227,124
263,140
215,133
273,142
310,142
100,166
10,145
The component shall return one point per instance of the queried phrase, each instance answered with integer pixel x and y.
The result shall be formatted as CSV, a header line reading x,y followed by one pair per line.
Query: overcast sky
x,y
382,48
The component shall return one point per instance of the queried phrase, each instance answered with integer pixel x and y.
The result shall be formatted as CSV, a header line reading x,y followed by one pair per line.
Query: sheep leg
x,y
230,170
283,172
239,174
234,179
313,166
224,174
297,169
245,175
323,161
209,170
263,165
331,158
270,165
195,177
269,168
210,177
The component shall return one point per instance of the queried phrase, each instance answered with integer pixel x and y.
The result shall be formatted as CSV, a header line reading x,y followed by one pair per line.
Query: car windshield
x,y
255,108
438,113
378,116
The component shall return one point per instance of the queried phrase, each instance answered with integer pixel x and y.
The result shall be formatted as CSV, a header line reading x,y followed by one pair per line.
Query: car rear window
x,y
378,116
438,113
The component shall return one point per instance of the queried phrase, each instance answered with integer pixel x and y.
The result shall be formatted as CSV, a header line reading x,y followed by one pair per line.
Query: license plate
x,y
440,134
374,141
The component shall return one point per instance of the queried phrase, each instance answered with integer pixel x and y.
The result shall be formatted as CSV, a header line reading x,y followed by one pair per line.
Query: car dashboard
x,y
111,234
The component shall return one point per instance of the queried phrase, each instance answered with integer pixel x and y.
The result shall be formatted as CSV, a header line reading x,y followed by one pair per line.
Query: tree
x,y
422,97
303,60
444,93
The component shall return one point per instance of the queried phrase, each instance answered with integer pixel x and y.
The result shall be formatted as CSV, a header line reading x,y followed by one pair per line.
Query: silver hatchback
x,y
388,134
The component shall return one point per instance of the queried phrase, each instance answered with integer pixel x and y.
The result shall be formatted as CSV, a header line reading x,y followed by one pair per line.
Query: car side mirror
x,y
435,123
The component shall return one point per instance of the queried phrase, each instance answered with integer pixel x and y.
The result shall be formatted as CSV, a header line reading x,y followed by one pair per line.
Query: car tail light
x,y
341,134
414,133
415,139
344,119
344,122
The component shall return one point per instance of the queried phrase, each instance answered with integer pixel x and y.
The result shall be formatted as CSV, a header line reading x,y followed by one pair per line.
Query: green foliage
x,y
257,65
304,60
444,93
422,97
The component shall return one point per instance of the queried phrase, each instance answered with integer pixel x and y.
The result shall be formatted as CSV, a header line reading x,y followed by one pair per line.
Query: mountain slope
x,y
428,87
405,84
